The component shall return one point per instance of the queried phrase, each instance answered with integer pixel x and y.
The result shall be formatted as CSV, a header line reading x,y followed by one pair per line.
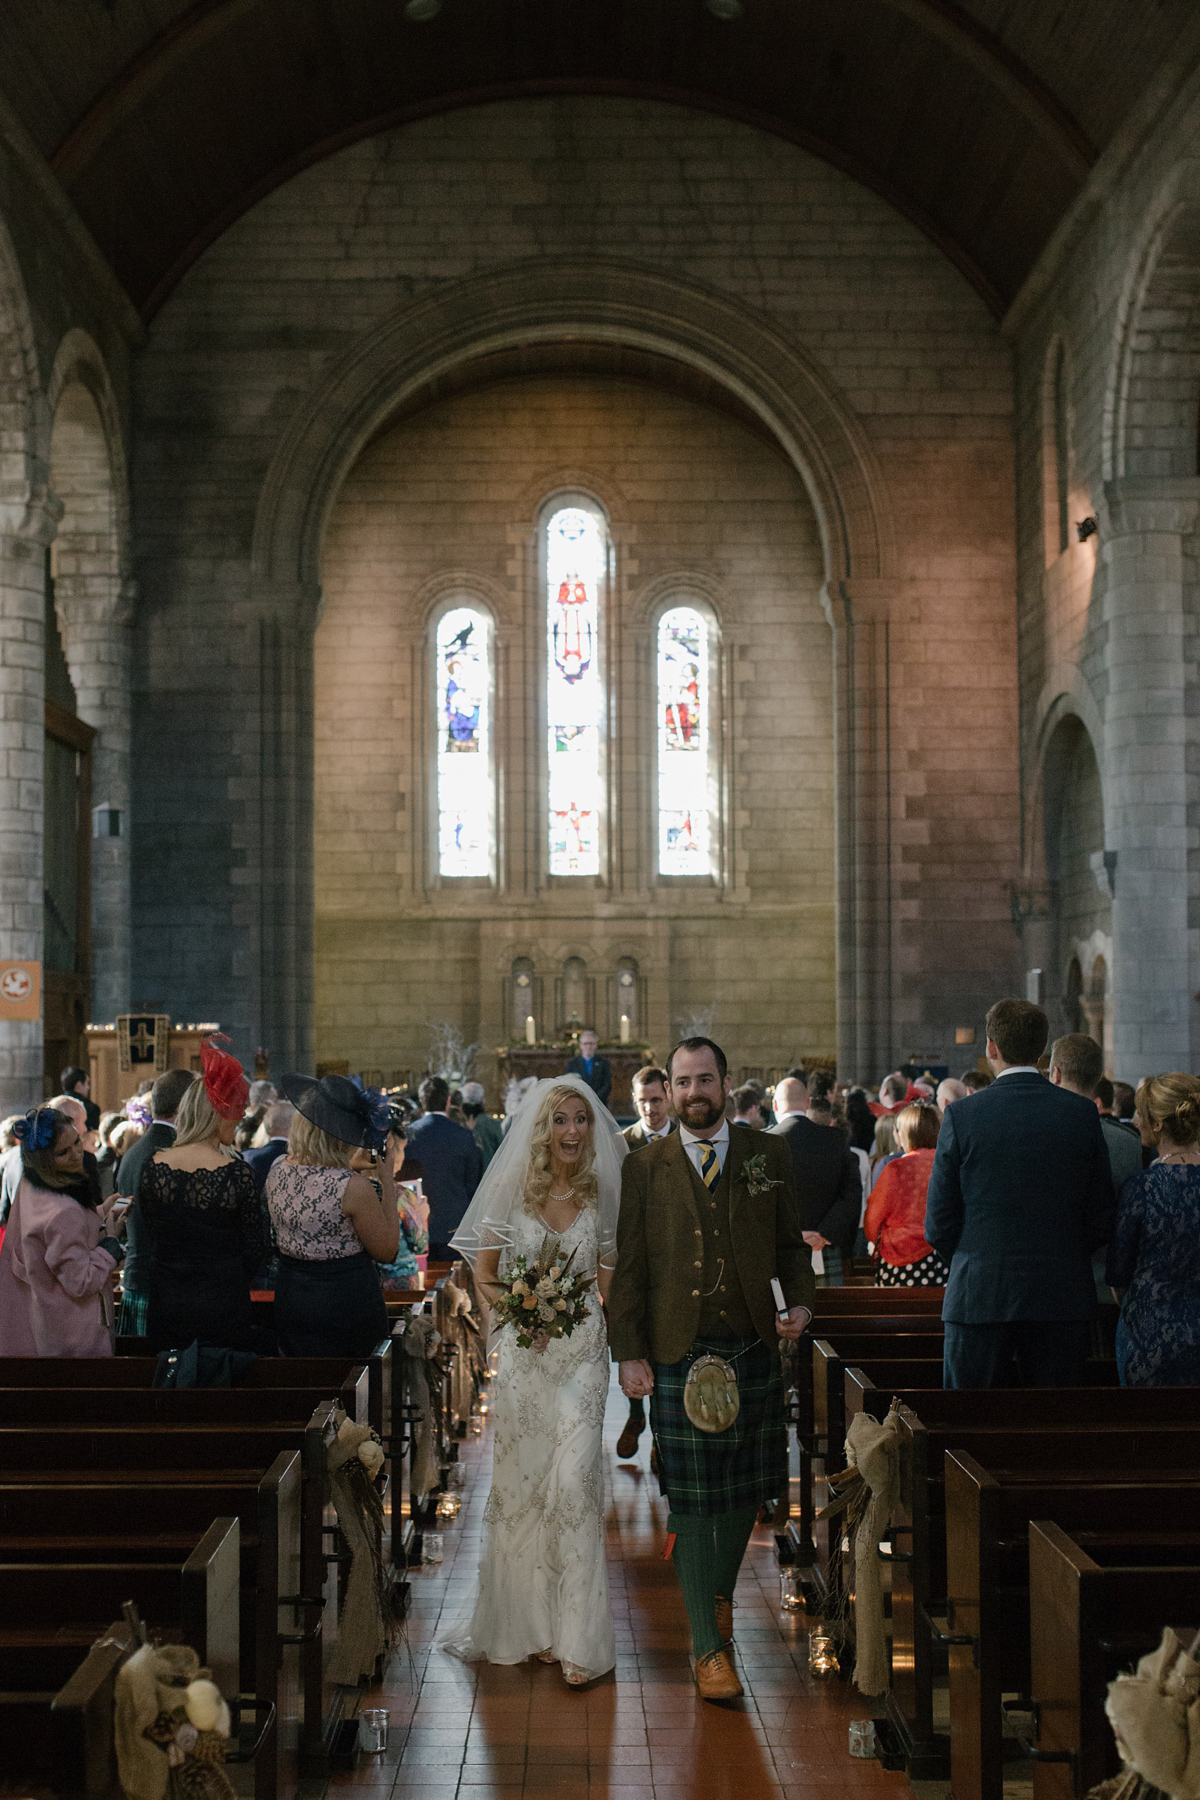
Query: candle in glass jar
x,y
624,1028
530,1029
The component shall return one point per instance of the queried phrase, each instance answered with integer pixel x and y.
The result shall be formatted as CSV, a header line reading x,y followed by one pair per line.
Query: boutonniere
x,y
754,1174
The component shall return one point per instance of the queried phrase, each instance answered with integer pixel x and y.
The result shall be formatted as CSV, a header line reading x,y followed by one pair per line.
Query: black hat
x,y
340,1107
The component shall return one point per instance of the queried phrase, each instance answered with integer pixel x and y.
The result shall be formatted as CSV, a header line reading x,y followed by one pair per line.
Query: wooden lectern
x,y
136,1048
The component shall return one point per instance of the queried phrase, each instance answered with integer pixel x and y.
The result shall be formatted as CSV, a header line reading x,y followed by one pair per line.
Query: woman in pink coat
x,y
57,1262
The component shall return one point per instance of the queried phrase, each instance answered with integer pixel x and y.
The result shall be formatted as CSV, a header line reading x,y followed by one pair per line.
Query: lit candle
x,y
530,1029
624,1028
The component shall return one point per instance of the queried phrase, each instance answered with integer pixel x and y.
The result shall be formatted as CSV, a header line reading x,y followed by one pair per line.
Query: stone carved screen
x,y
575,559
683,703
464,785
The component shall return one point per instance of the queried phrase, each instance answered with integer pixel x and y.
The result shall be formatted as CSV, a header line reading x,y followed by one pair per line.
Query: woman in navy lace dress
x,y
1154,1258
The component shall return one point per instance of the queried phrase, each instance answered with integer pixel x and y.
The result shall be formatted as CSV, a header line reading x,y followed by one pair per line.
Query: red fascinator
x,y
224,1079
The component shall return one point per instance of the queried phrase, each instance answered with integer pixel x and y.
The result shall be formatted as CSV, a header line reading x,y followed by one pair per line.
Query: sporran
x,y
710,1394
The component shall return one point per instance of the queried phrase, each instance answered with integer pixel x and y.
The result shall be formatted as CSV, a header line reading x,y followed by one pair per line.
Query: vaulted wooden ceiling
x,y
165,119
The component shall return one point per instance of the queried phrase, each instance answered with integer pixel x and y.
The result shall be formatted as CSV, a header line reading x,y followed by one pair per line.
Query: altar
x,y
516,1061
138,1047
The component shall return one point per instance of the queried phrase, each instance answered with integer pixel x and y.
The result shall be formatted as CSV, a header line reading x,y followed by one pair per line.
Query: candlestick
x,y
530,1029
624,1028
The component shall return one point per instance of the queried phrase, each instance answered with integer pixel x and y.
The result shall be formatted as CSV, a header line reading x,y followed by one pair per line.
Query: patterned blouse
x,y
305,1204
1155,1257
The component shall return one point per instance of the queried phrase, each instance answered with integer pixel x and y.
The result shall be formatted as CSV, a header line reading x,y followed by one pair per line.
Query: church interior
x,y
668,518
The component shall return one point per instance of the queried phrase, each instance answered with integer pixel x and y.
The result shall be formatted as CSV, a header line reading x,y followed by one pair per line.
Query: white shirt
x,y
694,1145
1019,1069
793,1114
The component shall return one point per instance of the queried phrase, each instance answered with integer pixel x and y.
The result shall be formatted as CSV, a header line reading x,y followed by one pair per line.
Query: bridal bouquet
x,y
542,1296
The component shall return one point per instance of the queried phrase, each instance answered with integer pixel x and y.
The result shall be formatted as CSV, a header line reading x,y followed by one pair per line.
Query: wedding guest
x,y
451,1165
654,1116
403,1272
331,1226
125,1134
826,1178
975,1080
746,1108
165,1096
247,1129
202,1218
480,1123
860,1119
58,1257
1154,1260
594,1069
892,1092
949,1091
106,1157
77,1083
895,1221
1124,1101
277,1122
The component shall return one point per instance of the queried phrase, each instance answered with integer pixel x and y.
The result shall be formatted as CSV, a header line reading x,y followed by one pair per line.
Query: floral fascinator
x,y
36,1131
224,1078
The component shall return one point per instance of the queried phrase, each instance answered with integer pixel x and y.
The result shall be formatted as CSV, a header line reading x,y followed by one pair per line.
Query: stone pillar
x,y
1150,771
274,912
24,533
95,613
859,614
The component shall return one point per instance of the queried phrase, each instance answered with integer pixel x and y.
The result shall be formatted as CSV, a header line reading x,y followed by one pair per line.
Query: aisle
x,y
522,1734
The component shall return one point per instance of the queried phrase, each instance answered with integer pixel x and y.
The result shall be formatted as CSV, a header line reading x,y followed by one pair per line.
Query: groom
x,y
707,1218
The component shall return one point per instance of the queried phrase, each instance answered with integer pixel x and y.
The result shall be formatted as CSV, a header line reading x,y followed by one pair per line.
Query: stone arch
x,y
93,602
404,363
1152,416
1072,836
602,302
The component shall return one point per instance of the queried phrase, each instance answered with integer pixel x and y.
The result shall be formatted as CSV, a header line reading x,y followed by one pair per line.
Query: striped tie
x,y
710,1168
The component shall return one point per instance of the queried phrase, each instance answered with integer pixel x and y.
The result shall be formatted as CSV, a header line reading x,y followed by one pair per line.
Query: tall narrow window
x,y
683,726
574,701
463,753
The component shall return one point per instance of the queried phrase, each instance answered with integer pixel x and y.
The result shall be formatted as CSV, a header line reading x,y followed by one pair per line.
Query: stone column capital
x,y
1140,504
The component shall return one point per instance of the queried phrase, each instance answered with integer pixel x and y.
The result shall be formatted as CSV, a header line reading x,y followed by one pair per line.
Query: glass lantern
x,y
791,1594
822,1654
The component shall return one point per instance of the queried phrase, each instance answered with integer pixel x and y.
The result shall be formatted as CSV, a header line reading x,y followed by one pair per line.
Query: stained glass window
x,y
574,703
683,726
463,750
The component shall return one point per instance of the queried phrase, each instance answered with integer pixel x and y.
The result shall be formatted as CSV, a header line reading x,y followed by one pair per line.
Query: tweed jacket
x,y
654,1302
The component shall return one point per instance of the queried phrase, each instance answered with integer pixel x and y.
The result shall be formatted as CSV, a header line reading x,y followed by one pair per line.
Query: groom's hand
x,y
794,1325
637,1380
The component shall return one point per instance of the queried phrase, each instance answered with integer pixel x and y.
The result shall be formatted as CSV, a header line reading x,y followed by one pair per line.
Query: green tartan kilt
x,y
704,1472
131,1315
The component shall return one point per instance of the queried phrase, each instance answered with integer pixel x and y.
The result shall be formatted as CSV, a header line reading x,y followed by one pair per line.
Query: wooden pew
x,y
1029,1429
1091,1615
140,1523
987,1562
876,1301
196,1603
56,1713
175,1455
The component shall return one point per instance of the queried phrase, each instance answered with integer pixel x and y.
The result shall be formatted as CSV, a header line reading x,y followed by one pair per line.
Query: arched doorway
x,y
1073,843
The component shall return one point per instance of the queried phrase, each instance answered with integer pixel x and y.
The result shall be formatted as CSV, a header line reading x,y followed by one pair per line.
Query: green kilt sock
x,y
695,1559
732,1531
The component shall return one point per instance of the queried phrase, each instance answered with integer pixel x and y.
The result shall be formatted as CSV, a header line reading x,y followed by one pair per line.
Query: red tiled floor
x,y
640,1734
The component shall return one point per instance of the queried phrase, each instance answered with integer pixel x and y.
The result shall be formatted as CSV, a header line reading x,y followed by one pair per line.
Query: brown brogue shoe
x,y
724,1614
627,1443
715,1677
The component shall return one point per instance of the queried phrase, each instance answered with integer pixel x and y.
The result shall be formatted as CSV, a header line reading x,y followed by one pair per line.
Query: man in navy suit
x,y
450,1162
594,1069
277,1123
1021,1193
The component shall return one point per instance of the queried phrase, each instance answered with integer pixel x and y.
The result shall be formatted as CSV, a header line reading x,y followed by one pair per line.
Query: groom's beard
x,y
700,1114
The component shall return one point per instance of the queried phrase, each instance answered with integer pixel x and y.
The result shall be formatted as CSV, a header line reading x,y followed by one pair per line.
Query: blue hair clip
x,y
36,1131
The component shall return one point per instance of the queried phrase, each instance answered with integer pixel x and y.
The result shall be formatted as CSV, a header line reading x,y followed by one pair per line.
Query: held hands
x,y
637,1379
814,1240
792,1327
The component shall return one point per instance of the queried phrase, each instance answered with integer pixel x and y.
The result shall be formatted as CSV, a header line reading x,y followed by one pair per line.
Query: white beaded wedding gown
x,y
543,1584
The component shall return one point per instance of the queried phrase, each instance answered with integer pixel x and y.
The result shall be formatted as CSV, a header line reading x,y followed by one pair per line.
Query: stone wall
x,y
1107,623
441,506
900,359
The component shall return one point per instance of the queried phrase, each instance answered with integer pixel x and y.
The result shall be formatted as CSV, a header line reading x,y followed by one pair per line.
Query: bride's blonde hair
x,y
538,1182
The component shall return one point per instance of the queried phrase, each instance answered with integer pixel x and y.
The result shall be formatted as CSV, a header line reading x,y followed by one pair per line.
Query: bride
x,y
543,1584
